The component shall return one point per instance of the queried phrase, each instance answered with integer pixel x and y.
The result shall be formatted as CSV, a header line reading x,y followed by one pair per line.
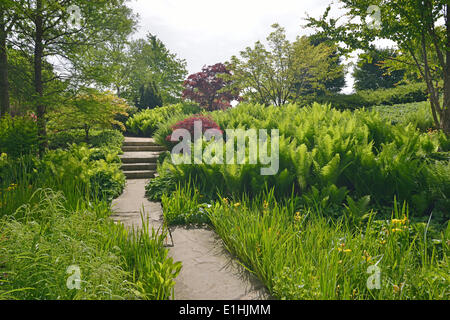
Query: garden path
x,y
209,272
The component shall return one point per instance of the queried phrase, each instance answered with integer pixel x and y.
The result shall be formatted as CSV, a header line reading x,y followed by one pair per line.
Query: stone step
x,y
139,174
134,160
153,148
139,142
138,166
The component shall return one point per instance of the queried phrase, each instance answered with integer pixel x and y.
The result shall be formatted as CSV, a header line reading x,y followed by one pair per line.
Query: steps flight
x,y
139,157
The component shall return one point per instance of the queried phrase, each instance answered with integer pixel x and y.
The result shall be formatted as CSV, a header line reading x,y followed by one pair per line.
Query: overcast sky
x,y
204,32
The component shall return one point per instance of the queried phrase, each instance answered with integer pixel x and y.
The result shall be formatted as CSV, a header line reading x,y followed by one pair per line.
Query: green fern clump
x,y
146,122
324,153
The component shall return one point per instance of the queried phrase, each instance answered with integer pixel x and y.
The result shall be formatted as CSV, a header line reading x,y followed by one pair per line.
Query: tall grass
x,y
38,247
300,254
49,223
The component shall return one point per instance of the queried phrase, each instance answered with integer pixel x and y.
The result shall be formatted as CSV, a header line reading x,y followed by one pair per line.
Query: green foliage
x,y
74,172
417,113
91,110
285,71
18,135
159,186
324,155
147,121
150,61
371,73
38,248
183,206
108,139
103,177
415,92
149,96
299,254
420,31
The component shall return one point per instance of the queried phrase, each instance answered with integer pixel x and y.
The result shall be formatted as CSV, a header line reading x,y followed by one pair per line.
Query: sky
x,y
205,32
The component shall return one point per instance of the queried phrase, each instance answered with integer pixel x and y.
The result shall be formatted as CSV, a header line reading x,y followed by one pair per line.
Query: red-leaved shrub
x,y
188,124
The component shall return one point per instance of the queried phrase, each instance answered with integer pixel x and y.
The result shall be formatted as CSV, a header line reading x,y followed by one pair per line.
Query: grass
x,y
48,224
416,113
299,253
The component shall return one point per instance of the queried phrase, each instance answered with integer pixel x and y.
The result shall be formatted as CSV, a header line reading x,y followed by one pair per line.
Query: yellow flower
x,y
347,250
225,200
383,242
237,204
366,257
396,230
297,216
266,204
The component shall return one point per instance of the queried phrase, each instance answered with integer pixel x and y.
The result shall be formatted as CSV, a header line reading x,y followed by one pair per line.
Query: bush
x,y
417,113
102,177
189,125
18,135
114,263
98,139
415,92
299,254
146,122
324,155
159,186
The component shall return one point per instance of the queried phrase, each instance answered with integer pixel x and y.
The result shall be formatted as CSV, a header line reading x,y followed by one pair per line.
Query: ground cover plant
x,y
356,193
300,253
54,220
146,122
39,242
415,92
326,155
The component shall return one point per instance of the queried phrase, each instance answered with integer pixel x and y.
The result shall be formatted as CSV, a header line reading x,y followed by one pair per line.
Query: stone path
x,y
208,272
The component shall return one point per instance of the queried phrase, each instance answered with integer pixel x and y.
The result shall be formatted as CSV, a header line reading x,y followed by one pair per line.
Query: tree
x,y
150,61
7,22
209,88
149,97
286,72
88,110
62,29
372,73
336,82
421,30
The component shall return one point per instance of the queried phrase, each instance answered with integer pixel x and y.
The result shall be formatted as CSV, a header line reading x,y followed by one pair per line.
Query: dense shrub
x,y
98,139
189,125
102,177
146,122
40,246
417,113
18,135
325,155
158,186
415,92
71,171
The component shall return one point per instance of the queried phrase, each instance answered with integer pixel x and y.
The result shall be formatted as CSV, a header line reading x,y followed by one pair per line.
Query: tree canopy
x,y
421,30
285,71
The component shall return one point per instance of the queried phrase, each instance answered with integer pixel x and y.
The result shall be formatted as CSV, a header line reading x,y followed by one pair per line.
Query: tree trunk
x,y
38,84
86,132
445,116
4,83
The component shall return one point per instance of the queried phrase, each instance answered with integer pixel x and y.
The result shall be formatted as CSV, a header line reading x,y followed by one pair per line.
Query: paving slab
x,y
129,206
209,272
